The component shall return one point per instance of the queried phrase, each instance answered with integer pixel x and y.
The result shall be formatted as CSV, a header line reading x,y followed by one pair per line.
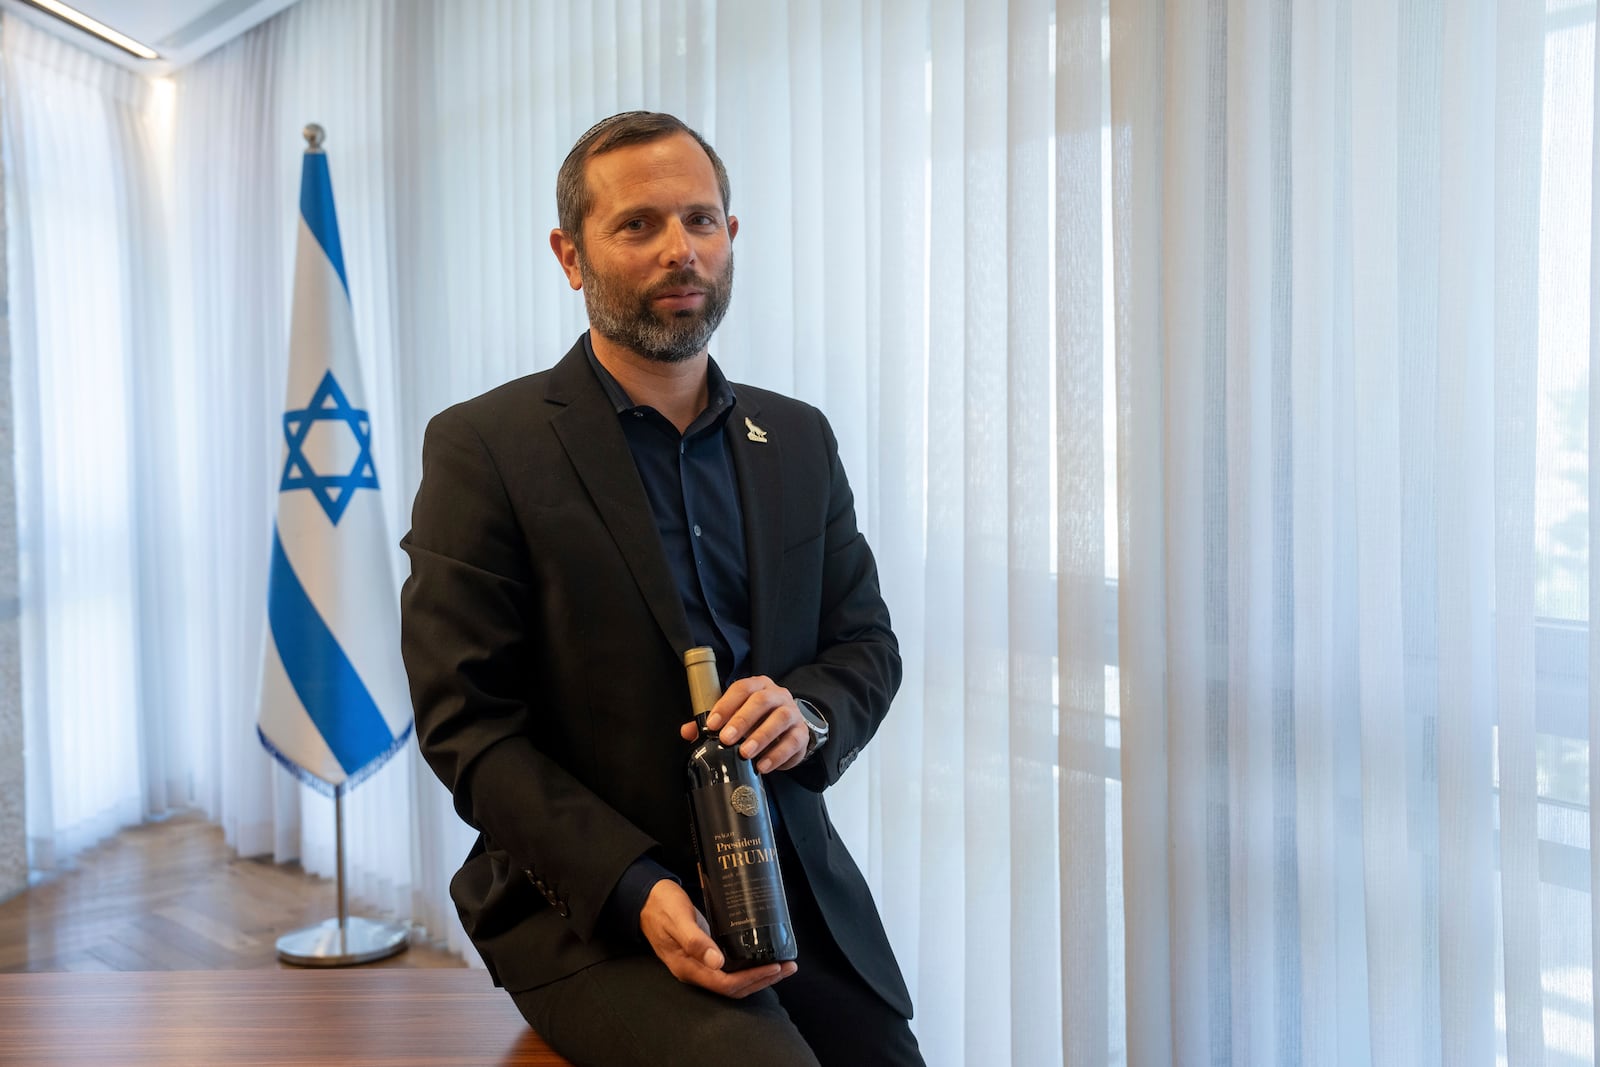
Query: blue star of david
x,y
333,491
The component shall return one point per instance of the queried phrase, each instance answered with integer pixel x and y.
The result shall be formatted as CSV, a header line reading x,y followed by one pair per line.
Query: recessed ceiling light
x,y
99,29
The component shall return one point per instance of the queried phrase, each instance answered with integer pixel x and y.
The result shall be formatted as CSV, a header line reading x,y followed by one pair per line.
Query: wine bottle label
x,y
739,860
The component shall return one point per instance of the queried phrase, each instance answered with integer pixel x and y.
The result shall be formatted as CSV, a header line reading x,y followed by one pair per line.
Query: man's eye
x,y
702,220
634,224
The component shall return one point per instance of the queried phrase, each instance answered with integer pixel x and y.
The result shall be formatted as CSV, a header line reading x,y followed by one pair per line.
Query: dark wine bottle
x,y
733,840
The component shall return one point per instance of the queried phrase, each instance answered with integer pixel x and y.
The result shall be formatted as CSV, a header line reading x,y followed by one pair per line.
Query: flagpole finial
x,y
313,135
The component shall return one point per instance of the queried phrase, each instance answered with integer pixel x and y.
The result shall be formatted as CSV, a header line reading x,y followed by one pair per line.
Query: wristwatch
x,y
814,723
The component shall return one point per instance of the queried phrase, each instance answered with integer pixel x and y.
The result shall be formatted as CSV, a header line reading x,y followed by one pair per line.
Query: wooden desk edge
x,y
396,1015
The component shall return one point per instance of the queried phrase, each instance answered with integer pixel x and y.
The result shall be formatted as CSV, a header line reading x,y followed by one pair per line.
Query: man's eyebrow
x,y
622,214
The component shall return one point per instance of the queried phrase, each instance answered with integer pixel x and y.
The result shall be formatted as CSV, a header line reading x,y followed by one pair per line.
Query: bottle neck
x,y
704,689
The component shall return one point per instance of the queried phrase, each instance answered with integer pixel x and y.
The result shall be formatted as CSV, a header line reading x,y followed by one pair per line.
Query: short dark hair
x,y
573,202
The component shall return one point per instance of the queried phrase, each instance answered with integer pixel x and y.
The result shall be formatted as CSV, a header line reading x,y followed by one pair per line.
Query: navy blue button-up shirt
x,y
694,495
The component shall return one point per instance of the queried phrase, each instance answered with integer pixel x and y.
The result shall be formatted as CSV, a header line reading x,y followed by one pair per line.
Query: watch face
x,y
810,714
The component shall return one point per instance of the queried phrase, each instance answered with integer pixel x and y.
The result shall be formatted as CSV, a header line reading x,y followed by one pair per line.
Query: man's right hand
x,y
681,939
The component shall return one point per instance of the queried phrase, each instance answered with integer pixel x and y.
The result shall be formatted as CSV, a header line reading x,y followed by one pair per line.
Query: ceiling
x,y
181,30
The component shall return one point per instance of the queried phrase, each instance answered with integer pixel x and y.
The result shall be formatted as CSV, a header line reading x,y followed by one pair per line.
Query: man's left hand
x,y
760,717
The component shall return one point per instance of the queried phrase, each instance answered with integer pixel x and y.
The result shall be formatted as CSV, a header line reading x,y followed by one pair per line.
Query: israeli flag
x,y
334,703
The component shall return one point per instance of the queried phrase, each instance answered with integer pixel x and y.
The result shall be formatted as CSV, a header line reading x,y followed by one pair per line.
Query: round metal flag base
x,y
325,945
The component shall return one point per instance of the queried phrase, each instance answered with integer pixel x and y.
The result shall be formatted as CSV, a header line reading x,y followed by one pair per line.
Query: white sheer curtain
x,y
88,207
1352,332
1215,383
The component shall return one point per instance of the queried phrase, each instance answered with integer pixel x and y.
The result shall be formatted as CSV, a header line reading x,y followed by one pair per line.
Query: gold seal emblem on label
x,y
744,800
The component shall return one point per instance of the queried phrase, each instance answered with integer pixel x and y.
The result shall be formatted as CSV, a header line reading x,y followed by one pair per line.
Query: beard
x,y
624,315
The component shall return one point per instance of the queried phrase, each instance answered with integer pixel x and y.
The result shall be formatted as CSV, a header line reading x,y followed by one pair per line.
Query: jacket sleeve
x,y
467,639
857,668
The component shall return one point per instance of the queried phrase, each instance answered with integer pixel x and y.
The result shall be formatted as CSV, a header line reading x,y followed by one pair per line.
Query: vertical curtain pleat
x,y
1592,484
1518,130
32,589
1081,647
1193,535
1465,445
1420,177
845,390
1277,621
943,947
1253,451
1321,689
1393,921
898,491
1344,615
1035,986
164,740
802,248
983,561
1139,84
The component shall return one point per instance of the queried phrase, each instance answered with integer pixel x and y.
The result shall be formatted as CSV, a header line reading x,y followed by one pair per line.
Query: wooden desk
x,y
360,1018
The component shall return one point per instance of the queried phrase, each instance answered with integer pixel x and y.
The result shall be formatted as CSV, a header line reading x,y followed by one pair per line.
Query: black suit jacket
x,y
543,636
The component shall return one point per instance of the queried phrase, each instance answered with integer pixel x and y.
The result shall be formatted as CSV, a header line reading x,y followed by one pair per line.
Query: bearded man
x,y
575,532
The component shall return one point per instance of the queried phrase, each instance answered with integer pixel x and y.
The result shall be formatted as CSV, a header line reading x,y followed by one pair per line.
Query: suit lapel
x,y
757,464
587,428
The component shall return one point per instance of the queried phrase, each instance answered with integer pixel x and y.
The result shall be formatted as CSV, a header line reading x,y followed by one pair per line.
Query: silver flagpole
x,y
338,853
348,939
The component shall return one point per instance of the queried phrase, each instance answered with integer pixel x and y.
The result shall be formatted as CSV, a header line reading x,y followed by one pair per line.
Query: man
x,y
575,532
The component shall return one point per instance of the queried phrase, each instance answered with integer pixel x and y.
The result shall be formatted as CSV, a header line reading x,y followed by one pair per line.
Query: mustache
x,y
683,279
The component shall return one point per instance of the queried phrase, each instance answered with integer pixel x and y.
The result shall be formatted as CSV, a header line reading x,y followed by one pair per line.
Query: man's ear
x,y
566,250
733,227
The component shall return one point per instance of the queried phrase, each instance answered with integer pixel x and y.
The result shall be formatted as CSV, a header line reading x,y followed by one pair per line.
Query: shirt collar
x,y
719,391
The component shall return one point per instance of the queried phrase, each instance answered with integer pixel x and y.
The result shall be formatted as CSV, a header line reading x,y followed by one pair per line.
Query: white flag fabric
x,y
334,703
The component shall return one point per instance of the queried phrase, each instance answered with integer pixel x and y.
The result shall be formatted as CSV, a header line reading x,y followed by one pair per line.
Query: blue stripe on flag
x,y
316,207
323,677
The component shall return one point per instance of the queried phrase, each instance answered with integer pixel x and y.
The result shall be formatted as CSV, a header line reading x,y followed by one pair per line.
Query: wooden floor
x,y
171,896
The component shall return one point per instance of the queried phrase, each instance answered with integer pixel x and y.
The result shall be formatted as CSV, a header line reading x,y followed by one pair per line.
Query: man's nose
x,y
677,250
